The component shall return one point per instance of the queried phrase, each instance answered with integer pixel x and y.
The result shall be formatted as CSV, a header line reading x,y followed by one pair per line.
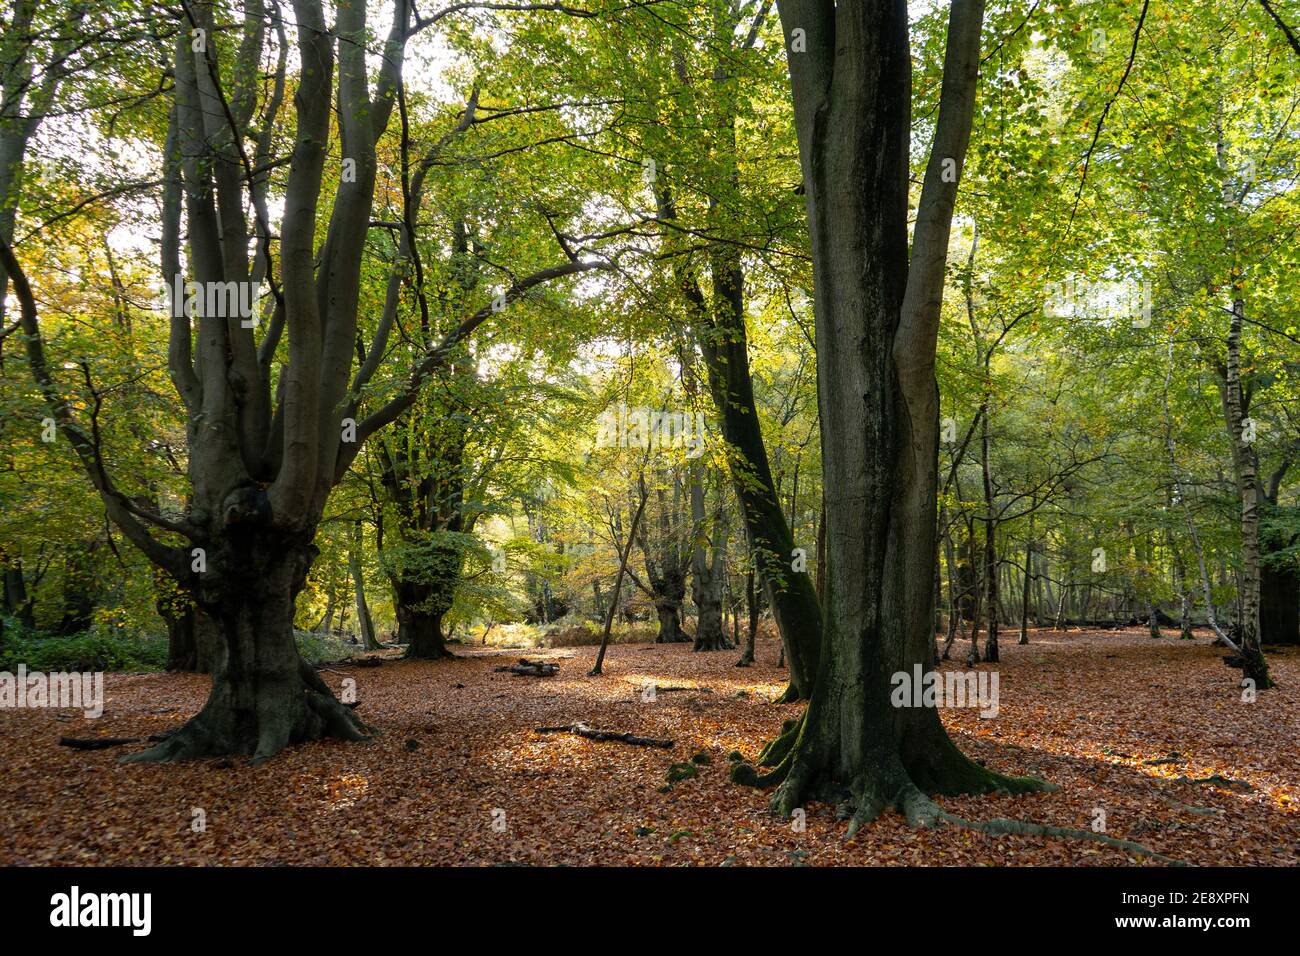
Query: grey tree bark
x,y
708,568
262,465
877,322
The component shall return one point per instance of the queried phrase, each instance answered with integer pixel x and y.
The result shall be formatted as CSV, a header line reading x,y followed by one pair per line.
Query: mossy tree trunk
x,y
666,561
277,403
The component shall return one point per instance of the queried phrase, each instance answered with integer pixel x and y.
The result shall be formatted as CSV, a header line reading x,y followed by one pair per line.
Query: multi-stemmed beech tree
x,y
273,425
877,316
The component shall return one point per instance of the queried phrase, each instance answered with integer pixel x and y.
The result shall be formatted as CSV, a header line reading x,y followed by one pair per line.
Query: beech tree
x,y
272,430
877,312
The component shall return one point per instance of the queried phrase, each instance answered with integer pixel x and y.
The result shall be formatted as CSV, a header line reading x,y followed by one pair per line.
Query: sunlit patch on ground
x,y
459,775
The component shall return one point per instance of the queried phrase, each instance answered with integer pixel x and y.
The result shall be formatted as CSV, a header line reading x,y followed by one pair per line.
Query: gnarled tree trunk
x,y
264,695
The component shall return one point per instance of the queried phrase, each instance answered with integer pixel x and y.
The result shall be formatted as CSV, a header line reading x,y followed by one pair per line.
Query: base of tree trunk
x,y
711,639
422,635
670,627
790,695
258,718
900,777
1253,667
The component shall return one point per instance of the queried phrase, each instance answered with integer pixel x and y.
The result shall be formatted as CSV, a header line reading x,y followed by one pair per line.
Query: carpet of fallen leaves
x,y
1113,718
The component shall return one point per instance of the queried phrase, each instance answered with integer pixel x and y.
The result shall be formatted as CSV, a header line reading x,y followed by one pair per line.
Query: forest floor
x,y
1113,718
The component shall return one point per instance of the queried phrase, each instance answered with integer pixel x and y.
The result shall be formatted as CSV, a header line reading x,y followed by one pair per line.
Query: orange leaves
x,y
1120,723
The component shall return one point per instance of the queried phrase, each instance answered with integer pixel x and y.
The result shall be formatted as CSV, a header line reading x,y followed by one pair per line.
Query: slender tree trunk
x,y
1029,578
1061,605
954,603
978,590
618,580
1246,465
991,599
364,621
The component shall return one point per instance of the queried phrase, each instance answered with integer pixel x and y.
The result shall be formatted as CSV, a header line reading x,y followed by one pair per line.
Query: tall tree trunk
x,y
977,591
1067,587
624,554
720,330
751,630
877,322
1028,585
707,570
18,602
79,589
1246,466
1153,618
365,623
991,597
954,598
666,566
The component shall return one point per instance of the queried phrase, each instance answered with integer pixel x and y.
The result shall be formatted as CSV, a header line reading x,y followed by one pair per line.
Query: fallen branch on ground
x,y
96,743
1217,780
102,743
679,690
527,668
582,730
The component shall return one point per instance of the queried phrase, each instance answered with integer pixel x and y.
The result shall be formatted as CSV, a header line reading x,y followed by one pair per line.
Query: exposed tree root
x,y
103,743
1000,825
894,789
791,695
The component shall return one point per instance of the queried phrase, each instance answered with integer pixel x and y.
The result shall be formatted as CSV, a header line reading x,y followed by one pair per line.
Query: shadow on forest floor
x,y
1086,710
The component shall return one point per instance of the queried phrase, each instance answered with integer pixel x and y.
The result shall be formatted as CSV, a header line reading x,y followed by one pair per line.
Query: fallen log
x,y
527,668
102,743
582,730
1215,780
678,690
96,743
